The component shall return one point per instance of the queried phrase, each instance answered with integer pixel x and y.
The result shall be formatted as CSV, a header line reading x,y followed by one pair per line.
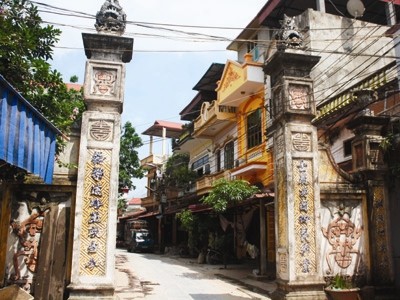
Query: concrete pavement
x,y
128,286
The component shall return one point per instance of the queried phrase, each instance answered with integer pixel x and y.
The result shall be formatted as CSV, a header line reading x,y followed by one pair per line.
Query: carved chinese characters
x,y
378,220
95,214
304,217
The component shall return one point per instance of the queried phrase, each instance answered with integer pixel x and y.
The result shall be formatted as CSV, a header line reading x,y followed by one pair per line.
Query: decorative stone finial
x,y
111,18
288,35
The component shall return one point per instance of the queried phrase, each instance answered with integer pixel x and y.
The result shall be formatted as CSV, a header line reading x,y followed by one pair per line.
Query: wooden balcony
x,y
213,118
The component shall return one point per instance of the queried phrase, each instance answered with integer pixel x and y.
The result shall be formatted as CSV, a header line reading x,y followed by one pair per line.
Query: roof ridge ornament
x,y
111,19
288,35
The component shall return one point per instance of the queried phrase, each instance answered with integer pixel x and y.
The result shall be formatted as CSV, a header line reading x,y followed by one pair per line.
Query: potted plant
x,y
341,288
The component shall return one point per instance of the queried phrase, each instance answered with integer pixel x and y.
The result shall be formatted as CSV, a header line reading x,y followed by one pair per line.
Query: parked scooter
x,y
214,257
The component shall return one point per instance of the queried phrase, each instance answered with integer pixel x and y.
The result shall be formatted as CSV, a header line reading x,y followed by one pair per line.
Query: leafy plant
x,y
177,172
129,163
390,144
121,205
26,46
187,219
226,192
341,282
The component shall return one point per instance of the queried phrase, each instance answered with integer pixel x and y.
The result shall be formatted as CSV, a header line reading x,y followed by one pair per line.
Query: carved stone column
x,y
297,192
368,161
93,263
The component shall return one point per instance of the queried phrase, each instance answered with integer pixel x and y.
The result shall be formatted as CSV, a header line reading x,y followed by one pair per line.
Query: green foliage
x,y
198,227
177,171
26,45
341,282
73,79
121,204
187,219
390,145
129,163
226,192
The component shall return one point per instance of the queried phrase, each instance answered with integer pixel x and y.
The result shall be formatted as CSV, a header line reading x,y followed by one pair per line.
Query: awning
x,y
133,214
149,214
27,138
199,208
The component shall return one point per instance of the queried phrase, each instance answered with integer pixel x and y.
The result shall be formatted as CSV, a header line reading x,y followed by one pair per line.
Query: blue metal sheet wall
x,y
27,139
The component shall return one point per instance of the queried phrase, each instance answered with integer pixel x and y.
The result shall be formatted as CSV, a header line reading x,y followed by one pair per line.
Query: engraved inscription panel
x,y
381,234
305,251
95,213
282,205
283,263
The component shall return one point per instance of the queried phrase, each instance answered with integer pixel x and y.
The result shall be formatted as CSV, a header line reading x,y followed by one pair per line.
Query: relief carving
x,y
104,82
342,234
298,96
101,130
230,77
28,231
301,141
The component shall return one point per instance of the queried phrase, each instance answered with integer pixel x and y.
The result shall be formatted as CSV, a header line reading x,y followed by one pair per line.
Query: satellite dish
x,y
356,8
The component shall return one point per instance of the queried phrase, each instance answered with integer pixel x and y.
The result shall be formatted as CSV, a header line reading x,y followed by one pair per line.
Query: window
x,y
218,160
253,48
197,166
347,147
229,155
254,135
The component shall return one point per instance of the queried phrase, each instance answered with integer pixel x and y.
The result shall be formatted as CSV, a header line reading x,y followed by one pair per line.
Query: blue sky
x,y
158,83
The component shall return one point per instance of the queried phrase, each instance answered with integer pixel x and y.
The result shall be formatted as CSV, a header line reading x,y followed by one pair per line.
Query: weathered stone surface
x,y
93,263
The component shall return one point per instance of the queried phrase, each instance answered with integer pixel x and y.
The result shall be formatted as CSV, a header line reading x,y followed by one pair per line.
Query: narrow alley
x,y
154,276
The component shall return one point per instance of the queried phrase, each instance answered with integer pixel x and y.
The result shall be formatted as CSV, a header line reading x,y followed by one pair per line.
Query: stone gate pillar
x,y
297,192
93,263
368,161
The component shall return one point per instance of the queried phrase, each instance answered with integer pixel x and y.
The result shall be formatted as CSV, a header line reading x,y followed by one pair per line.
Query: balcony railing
x,y
185,135
204,184
212,113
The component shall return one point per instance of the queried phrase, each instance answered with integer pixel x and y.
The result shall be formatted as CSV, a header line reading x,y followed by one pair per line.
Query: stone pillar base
x,y
299,291
92,293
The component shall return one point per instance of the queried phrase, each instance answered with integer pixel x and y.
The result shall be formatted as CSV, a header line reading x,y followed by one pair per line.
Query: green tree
x,y
26,46
177,171
226,192
129,163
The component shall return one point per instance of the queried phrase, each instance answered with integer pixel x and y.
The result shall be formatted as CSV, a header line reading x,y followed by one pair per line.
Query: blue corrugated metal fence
x,y
27,139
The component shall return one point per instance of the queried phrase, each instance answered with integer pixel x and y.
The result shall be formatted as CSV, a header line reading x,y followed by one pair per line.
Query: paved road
x,y
154,277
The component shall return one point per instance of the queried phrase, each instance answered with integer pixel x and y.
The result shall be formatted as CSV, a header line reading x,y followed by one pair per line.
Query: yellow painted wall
x,y
253,103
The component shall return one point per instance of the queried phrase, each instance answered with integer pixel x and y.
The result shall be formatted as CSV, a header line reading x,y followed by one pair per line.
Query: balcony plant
x,y
177,172
341,288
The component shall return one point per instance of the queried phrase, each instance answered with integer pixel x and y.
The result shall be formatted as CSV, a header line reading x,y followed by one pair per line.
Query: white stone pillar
x,y
93,263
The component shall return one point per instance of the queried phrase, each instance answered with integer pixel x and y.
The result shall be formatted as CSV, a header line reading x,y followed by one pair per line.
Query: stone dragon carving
x,y
288,36
111,18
